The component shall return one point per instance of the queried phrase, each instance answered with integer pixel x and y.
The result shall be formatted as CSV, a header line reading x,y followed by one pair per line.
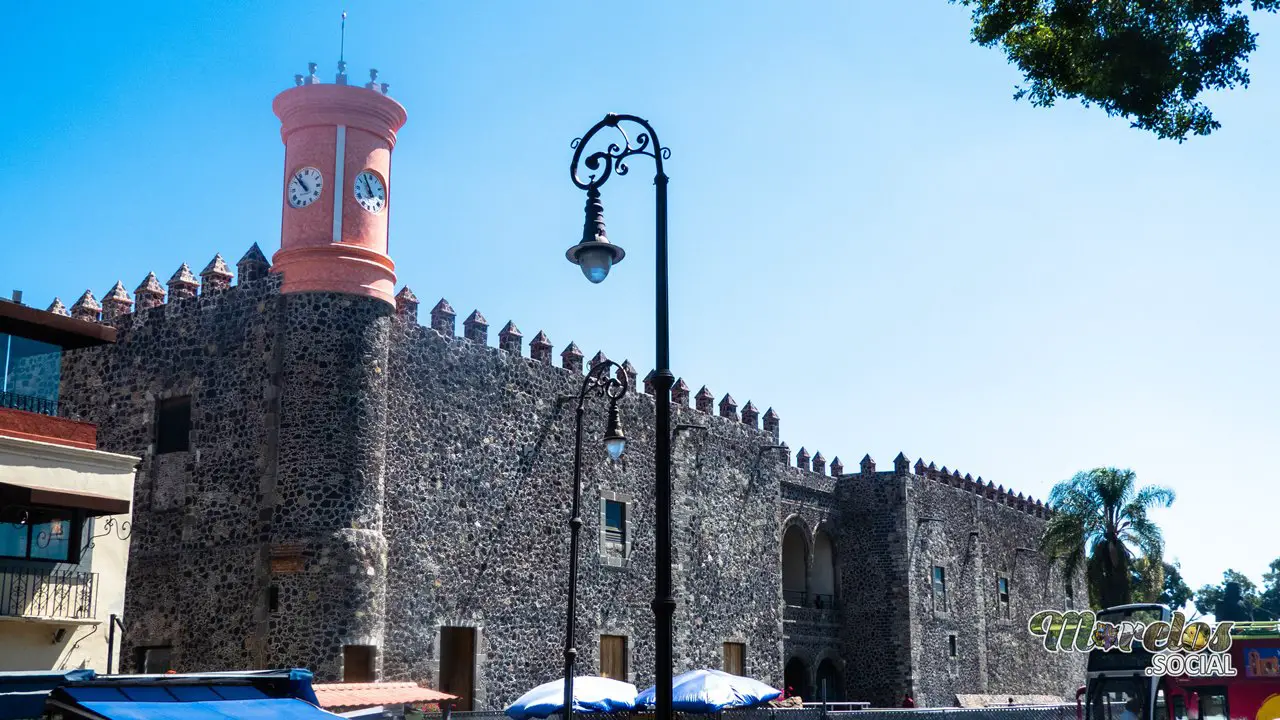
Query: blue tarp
x,y
590,694
260,709
708,691
22,694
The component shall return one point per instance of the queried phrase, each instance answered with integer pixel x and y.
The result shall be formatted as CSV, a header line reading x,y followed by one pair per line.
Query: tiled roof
x,y
370,694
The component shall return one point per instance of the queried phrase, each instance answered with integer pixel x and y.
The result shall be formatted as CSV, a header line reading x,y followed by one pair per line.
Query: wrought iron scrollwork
x,y
604,163
122,530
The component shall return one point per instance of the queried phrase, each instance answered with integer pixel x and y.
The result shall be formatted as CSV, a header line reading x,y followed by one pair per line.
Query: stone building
x,y
328,482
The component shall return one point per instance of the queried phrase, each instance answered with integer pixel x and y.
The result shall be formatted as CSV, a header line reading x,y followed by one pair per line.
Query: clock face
x,y
304,187
370,192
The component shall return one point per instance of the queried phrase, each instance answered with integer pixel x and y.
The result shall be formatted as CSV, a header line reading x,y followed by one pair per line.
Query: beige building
x,y
64,506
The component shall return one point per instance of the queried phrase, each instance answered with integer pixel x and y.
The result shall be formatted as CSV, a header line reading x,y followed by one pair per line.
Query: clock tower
x,y
336,189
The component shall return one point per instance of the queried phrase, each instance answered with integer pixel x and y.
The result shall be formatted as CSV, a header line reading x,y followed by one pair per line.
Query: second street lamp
x,y
615,442
596,255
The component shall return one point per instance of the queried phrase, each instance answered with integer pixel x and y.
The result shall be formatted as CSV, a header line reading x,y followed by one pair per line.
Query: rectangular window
x,y
1213,704
951,645
735,658
939,589
613,657
154,660
358,664
173,425
273,598
1071,597
615,521
1002,595
40,534
458,664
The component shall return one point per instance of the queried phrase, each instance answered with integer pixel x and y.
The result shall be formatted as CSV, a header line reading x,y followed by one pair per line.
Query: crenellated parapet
x,y
117,308
572,359
986,490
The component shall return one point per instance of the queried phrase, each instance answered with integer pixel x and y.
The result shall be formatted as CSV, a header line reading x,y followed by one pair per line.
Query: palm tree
x,y
1100,519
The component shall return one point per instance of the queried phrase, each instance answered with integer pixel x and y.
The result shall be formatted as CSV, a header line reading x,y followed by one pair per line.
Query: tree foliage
x,y
1160,583
1144,60
1101,521
1261,603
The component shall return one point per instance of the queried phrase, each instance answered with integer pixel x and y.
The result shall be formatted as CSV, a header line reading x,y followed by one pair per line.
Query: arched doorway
x,y
829,679
795,557
796,678
823,586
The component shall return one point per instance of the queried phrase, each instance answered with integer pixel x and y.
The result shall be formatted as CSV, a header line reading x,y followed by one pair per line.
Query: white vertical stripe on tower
x,y
339,182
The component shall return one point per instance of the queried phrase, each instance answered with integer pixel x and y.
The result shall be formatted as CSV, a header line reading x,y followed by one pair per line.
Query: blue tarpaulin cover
x,y
590,694
22,694
259,709
707,691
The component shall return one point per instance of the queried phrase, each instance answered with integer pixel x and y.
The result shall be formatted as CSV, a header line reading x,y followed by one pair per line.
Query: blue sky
x,y
868,234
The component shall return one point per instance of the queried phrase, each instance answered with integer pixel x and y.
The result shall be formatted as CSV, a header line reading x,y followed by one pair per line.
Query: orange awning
x,y
333,695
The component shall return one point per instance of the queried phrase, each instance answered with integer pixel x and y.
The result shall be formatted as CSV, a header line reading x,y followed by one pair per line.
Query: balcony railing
x,y
37,593
28,403
804,599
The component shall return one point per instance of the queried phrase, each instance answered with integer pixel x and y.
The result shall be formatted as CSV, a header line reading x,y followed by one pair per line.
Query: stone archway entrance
x,y
796,678
829,680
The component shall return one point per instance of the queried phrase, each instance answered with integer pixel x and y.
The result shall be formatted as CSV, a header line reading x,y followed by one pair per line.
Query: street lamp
x,y
615,442
596,255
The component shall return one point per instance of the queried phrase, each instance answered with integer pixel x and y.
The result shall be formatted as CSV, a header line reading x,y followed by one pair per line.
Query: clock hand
x,y
302,183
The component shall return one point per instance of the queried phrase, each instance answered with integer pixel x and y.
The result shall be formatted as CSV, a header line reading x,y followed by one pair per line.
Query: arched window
x,y
823,587
795,585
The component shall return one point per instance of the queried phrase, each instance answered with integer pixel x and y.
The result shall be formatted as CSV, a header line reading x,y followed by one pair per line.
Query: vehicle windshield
x,y
1119,698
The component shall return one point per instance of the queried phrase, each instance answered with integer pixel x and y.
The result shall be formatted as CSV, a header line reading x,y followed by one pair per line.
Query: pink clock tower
x,y
336,189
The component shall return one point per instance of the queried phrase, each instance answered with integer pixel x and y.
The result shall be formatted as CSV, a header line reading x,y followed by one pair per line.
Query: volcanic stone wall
x,y
355,478
978,536
479,468
193,578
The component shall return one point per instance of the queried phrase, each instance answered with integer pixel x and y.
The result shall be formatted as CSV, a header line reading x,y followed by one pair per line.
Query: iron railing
x,y
34,592
30,403
1013,712
800,598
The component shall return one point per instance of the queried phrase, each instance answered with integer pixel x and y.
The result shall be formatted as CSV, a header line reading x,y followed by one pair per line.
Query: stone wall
x,y
480,451
977,540
355,478
193,576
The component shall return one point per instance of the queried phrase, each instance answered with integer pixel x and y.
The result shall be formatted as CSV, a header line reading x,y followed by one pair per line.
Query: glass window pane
x,y
1213,706
13,539
50,537
613,515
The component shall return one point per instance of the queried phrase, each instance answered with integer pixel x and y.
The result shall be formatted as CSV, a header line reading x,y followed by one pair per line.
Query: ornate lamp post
x,y
596,255
598,381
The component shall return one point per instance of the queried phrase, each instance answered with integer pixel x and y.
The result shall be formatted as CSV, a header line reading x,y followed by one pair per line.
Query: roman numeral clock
x,y
336,191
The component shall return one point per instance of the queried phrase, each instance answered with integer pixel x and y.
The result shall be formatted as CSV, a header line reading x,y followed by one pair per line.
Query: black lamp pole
x,y
595,255
597,380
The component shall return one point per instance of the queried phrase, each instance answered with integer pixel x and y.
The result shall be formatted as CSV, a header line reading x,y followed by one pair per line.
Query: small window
x,y
173,425
1071,597
273,598
154,660
1002,594
615,521
939,589
951,645
1161,707
357,664
613,657
735,658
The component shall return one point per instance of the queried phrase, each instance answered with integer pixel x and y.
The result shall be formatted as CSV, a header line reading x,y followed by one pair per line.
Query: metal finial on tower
x,y
342,53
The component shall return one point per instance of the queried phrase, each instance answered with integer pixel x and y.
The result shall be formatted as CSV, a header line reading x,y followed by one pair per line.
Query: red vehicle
x,y
1119,688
